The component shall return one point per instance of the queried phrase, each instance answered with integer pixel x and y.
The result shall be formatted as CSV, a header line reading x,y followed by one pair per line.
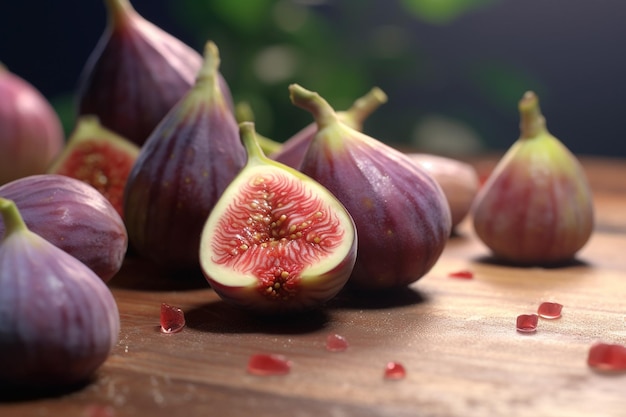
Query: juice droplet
x,y
548,310
464,274
268,364
99,410
336,343
172,319
394,370
527,323
607,357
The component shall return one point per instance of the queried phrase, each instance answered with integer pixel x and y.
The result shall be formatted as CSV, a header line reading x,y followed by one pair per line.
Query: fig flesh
x,y
458,180
73,216
401,214
59,320
31,135
181,171
136,74
276,240
536,207
293,150
99,157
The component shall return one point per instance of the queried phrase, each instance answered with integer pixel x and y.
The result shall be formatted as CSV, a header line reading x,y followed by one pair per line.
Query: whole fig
x,y
31,135
136,73
276,240
182,170
59,320
73,216
401,214
536,207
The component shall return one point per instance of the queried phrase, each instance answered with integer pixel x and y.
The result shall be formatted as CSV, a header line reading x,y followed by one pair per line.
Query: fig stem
x,y
364,106
532,122
323,112
210,66
11,217
118,10
250,141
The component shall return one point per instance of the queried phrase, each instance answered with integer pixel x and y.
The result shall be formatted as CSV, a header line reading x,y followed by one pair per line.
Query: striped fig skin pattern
x,y
73,216
401,214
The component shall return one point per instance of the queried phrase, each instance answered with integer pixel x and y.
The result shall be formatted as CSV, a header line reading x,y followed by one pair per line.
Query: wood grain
x,y
455,337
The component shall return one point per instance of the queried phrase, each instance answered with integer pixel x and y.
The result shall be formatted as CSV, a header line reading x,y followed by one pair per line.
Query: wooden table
x,y
455,337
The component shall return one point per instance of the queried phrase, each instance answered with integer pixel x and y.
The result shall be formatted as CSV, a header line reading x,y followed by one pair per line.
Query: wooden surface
x,y
455,337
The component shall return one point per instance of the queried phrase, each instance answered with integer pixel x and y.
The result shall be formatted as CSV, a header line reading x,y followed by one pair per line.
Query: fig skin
x,y
293,150
312,277
181,171
73,216
136,73
31,135
458,180
59,321
99,157
536,207
401,213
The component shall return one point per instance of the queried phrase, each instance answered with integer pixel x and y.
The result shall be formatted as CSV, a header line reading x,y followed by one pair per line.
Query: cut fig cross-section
x,y
276,240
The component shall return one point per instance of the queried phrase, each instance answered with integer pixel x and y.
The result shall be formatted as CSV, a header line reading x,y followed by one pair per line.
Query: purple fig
x,y
401,213
293,150
276,240
536,207
59,321
73,216
182,170
136,73
31,135
99,157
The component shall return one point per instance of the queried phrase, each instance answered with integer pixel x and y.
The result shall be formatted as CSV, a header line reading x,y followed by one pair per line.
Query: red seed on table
x,y
336,343
172,319
268,364
548,310
464,274
394,370
607,357
527,323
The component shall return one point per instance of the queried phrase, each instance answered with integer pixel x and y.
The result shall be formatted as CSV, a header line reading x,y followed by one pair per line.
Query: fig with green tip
x,y
276,240
536,207
182,170
293,150
99,157
401,214
136,74
59,321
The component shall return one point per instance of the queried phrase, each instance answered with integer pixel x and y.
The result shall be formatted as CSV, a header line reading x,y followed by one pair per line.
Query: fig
x,y
59,321
31,135
401,214
276,240
293,150
181,171
99,157
536,206
458,180
73,216
136,73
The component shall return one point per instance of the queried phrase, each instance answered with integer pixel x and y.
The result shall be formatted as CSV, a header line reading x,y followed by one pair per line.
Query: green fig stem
x,y
532,122
118,11
323,112
210,66
13,221
244,113
249,139
364,106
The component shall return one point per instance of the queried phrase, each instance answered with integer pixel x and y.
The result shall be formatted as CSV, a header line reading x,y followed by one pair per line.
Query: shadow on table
x,y
491,260
25,393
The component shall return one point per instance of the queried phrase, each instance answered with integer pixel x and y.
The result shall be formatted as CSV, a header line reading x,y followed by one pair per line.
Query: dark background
x,y
453,69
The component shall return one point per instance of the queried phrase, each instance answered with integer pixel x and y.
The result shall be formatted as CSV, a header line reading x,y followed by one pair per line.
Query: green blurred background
x,y
453,69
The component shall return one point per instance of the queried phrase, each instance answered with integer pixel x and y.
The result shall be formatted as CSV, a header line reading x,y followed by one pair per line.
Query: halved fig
x,y
276,240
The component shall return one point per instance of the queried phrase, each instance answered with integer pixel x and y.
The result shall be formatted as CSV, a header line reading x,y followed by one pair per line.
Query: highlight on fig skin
x,y
276,240
536,207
